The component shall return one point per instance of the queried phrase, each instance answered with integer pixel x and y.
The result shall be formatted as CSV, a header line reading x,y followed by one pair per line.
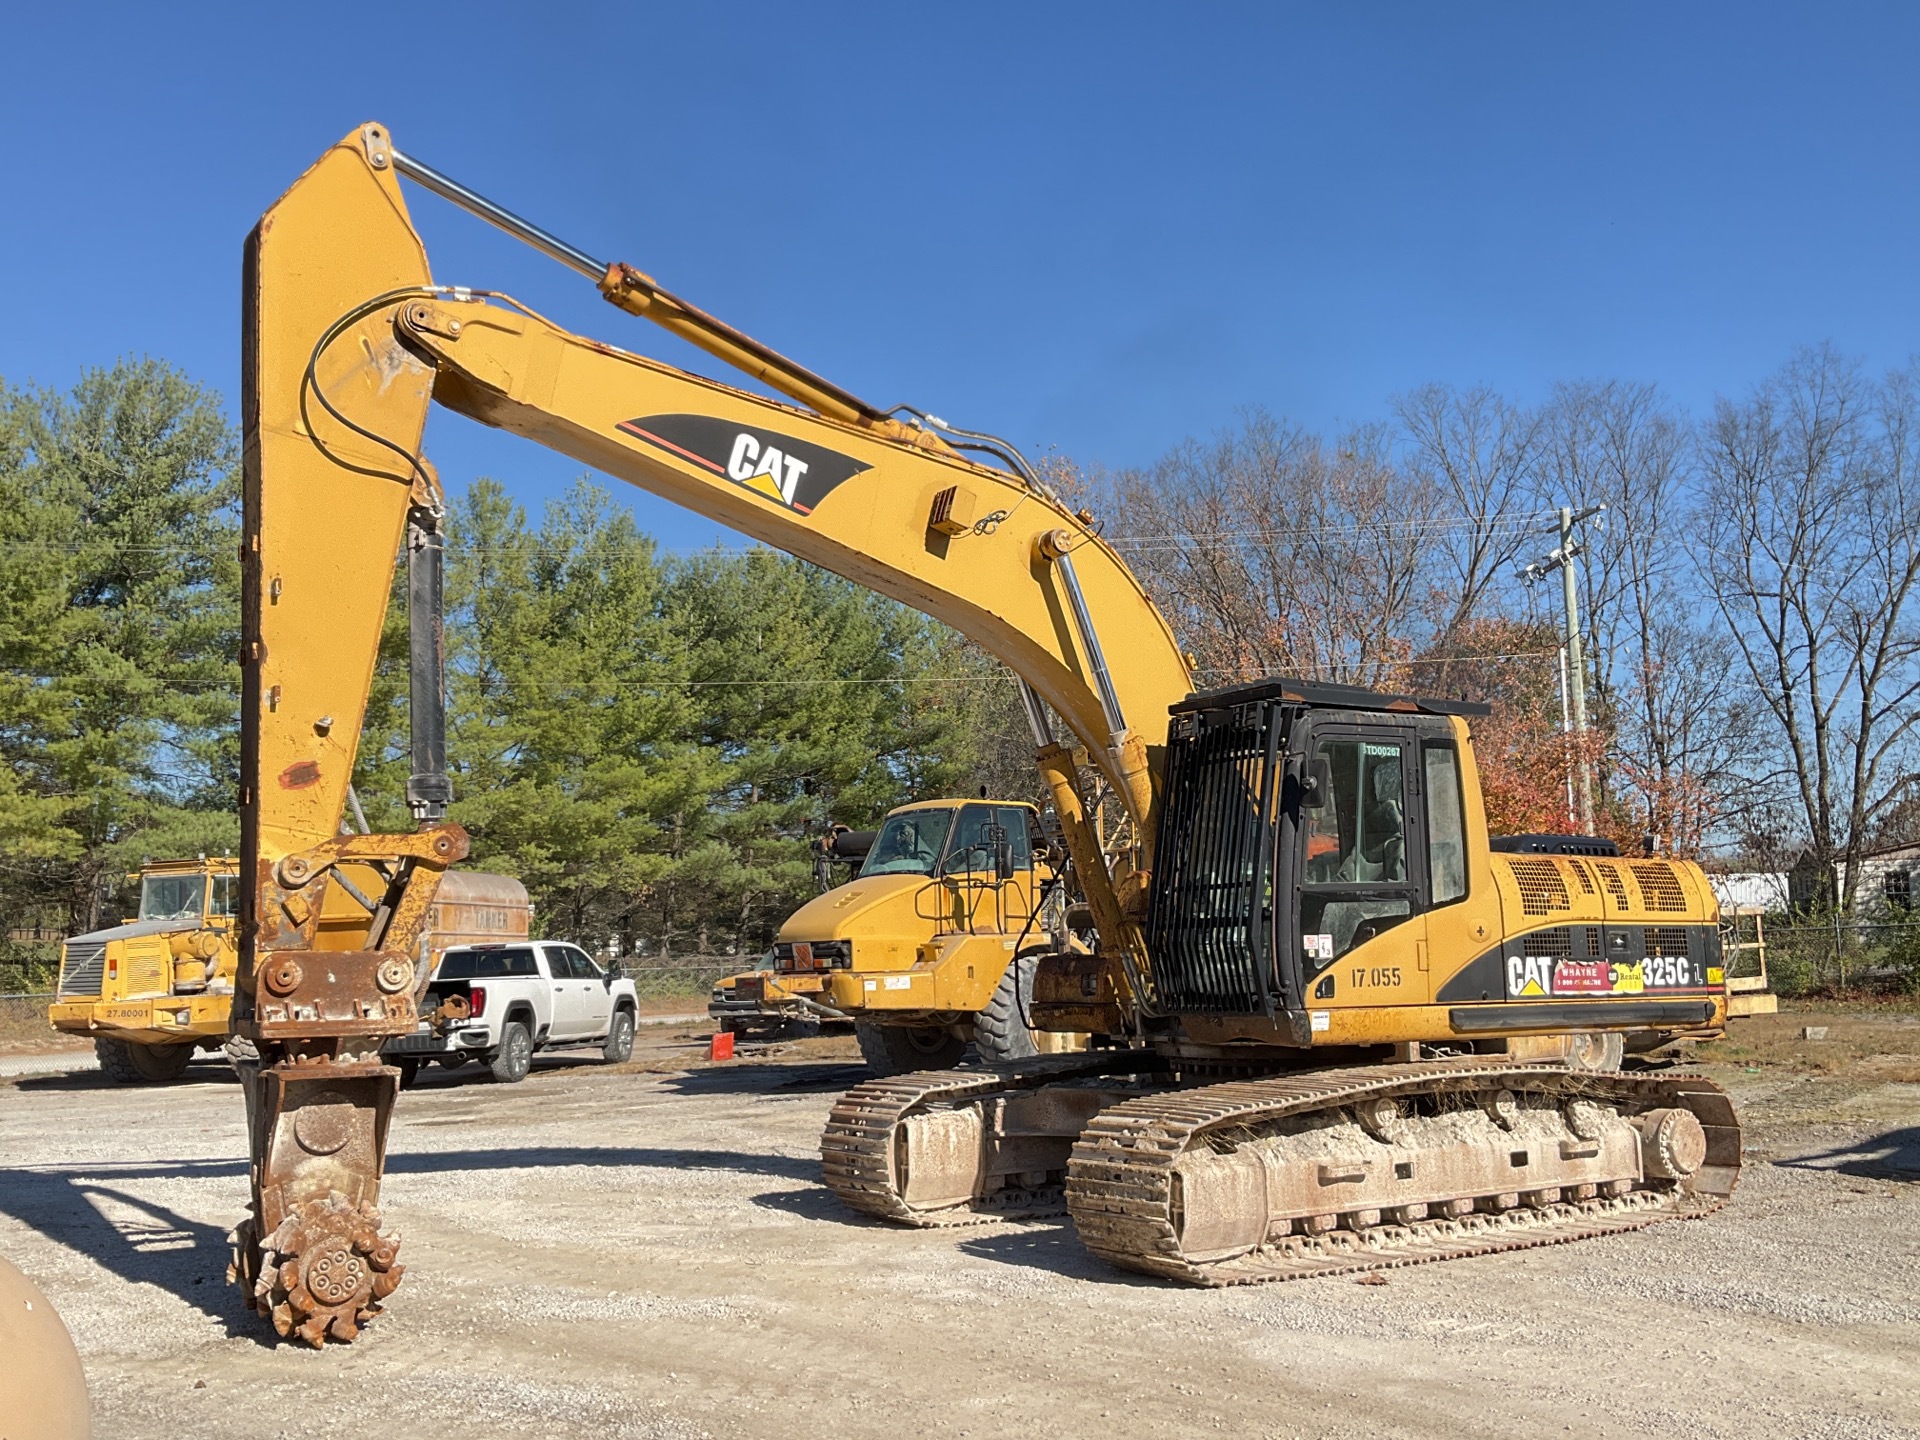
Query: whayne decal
x,y
1582,977
795,473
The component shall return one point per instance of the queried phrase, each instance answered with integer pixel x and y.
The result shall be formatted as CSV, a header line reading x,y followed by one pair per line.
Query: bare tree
x,y
1272,552
1478,454
1814,545
1680,735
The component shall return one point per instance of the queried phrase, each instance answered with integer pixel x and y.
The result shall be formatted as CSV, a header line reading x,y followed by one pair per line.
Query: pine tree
x,y
118,624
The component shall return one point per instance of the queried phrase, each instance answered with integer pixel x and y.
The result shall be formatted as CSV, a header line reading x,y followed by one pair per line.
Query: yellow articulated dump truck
x,y
154,990
931,946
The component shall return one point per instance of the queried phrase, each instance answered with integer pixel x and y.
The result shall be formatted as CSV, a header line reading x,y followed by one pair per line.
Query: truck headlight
x,y
808,955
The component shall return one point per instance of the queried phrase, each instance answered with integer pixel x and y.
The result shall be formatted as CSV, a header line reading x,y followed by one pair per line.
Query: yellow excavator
x,y
1334,1026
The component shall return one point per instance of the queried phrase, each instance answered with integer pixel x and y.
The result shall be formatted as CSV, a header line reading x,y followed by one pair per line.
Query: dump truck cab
x,y
918,947
161,982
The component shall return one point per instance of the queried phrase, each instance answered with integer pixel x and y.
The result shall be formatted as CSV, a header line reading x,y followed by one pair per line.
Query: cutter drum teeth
x,y
322,1274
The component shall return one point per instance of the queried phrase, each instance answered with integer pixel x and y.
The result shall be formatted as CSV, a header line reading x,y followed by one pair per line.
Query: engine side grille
x,y
1557,942
82,967
1616,887
1208,931
1583,875
1541,888
1666,940
1659,889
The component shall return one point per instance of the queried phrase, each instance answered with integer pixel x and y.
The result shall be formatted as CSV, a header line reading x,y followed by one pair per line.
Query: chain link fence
x,y
677,977
1808,957
28,965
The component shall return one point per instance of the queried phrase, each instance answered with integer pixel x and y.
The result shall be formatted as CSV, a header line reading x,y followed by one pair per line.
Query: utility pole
x,y
1562,560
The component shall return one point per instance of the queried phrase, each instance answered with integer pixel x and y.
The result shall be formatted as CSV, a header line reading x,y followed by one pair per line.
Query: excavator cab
x,y
1298,829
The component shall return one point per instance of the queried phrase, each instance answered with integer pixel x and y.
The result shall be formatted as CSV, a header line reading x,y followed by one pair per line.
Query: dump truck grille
x,y
81,967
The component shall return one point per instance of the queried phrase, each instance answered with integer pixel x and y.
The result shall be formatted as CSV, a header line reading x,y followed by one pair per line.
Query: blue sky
x,y
1096,228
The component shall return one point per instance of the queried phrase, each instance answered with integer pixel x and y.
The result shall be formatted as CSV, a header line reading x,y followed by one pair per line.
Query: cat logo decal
x,y
796,474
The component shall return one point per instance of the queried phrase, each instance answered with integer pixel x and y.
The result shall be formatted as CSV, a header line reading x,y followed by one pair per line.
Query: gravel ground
x,y
648,1252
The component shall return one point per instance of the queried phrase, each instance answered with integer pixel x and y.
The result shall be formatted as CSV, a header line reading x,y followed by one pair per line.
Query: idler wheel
x,y
1673,1144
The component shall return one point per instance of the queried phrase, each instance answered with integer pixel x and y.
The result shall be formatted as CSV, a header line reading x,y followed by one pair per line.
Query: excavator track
x,y
857,1147
1126,1203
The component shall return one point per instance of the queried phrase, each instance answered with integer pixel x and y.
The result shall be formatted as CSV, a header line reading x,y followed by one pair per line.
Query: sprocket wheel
x,y
322,1274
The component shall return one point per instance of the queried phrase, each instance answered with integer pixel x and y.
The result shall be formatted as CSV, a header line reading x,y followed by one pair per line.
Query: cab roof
x,y
215,864
1314,695
950,804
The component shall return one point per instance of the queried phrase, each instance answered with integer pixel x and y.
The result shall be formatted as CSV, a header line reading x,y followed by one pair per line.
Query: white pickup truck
x,y
500,1003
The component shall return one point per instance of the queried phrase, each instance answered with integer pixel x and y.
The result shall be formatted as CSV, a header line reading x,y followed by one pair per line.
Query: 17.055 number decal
x,y
1381,977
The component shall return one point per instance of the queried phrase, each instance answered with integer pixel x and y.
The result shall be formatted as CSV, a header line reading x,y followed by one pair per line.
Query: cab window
x,y
909,843
171,897
1359,834
1015,820
974,834
1355,880
225,895
486,964
1446,827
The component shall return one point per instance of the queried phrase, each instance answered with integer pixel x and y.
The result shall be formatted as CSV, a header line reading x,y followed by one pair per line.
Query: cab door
x,y
967,870
570,1012
1361,859
596,995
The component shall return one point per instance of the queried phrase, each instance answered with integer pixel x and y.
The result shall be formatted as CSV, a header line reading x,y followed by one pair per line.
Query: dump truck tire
x,y
902,1049
130,1064
1000,1030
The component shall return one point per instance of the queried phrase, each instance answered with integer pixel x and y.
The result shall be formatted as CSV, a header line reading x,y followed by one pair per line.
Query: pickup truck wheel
x,y
902,1049
1000,1030
130,1064
515,1055
619,1046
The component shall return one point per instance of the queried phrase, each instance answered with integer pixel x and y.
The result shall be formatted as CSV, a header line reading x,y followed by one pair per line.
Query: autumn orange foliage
x,y
1524,756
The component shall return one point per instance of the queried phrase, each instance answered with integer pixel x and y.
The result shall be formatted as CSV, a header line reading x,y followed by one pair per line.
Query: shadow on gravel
x,y
1892,1156
818,1204
148,1244
783,1167
210,1072
1054,1247
751,1078
143,1242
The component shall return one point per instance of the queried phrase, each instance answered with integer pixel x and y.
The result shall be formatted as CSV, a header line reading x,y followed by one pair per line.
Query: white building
x,y
1748,889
